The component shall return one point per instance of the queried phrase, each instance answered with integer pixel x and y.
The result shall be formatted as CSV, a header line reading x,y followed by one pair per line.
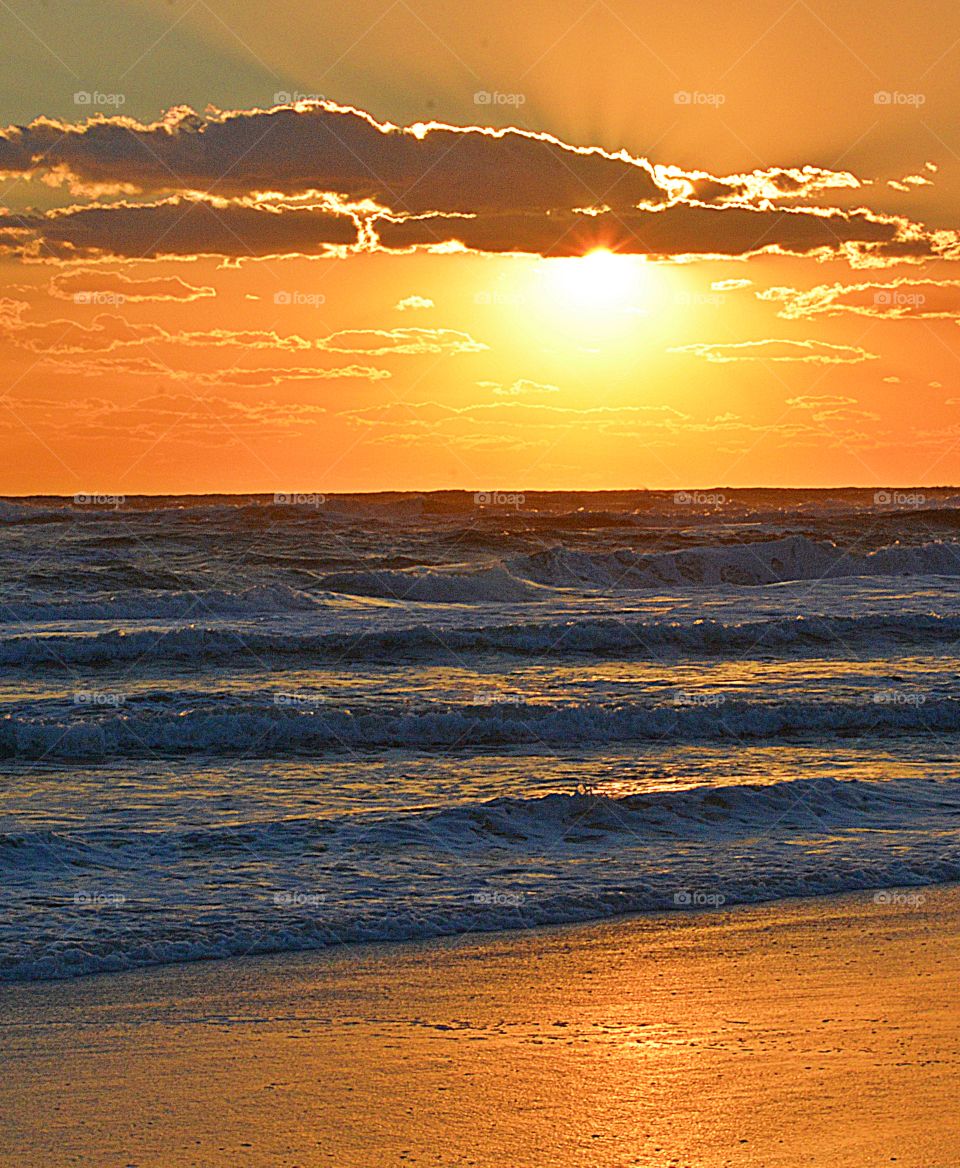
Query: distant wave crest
x,y
302,725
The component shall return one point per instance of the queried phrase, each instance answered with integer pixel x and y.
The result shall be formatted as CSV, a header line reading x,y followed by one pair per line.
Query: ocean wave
x,y
460,584
295,724
702,848
601,636
773,561
134,604
293,583
584,822
739,564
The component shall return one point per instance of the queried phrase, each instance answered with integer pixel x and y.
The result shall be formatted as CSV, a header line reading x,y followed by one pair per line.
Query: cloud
x,y
106,287
897,300
829,407
679,230
519,388
11,312
770,185
254,378
234,377
318,179
408,341
410,303
489,422
322,146
908,181
179,226
730,285
816,401
177,417
107,332
815,352
512,412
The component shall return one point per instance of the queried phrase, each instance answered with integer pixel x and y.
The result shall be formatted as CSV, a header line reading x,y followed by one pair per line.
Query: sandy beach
x,y
803,1032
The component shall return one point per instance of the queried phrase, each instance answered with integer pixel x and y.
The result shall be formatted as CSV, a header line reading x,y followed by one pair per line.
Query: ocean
x,y
247,724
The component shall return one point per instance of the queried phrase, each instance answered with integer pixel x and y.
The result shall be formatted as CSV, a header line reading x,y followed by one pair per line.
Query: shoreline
x,y
735,1036
700,905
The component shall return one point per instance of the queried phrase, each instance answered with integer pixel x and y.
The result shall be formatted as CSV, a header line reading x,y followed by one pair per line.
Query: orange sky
x,y
708,245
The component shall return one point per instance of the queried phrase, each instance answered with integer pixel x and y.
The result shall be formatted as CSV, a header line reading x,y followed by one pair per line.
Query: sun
x,y
594,308
599,282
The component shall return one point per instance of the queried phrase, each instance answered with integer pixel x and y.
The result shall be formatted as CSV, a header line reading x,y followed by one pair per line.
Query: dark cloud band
x,y
315,179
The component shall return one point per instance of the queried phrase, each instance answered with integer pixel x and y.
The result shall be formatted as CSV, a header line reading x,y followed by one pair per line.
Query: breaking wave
x,y
625,834
773,561
601,636
296,724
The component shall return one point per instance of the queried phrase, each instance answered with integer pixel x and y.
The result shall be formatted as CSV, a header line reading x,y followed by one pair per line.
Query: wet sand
x,y
818,1032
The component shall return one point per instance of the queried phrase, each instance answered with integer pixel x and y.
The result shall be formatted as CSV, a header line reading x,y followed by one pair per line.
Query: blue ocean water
x,y
248,724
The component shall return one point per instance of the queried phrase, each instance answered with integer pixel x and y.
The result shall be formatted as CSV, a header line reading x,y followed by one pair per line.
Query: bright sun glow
x,y
600,281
